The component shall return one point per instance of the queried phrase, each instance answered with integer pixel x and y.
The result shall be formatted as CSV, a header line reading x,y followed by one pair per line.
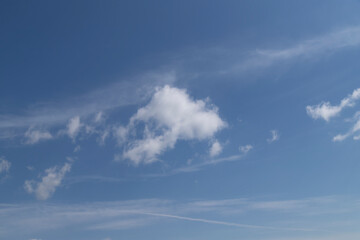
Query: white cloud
x,y
353,130
245,149
215,149
148,149
323,110
326,111
48,184
34,136
73,127
340,137
274,136
4,165
170,116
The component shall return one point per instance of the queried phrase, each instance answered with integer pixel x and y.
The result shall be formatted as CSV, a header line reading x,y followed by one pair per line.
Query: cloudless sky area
x,y
184,120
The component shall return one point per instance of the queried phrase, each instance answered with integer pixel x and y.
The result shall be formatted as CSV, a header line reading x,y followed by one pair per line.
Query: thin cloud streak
x,y
186,169
195,167
36,218
199,166
222,223
326,44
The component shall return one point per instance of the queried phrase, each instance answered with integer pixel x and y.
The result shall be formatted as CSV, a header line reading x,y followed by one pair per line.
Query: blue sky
x,y
179,120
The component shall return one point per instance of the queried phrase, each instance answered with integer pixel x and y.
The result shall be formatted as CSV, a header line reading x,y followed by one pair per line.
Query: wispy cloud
x,y
198,166
326,44
326,111
34,136
48,184
180,170
241,205
202,220
4,165
246,148
36,218
274,136
234,61
352,131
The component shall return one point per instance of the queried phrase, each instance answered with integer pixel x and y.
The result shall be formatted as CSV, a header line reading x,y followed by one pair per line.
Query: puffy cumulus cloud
x,y
274,136
34,136
171,115
4,165
48,184
73,127
326,111
215,149
245,149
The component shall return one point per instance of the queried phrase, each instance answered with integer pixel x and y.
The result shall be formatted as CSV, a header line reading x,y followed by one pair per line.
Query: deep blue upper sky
x,y
179,120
